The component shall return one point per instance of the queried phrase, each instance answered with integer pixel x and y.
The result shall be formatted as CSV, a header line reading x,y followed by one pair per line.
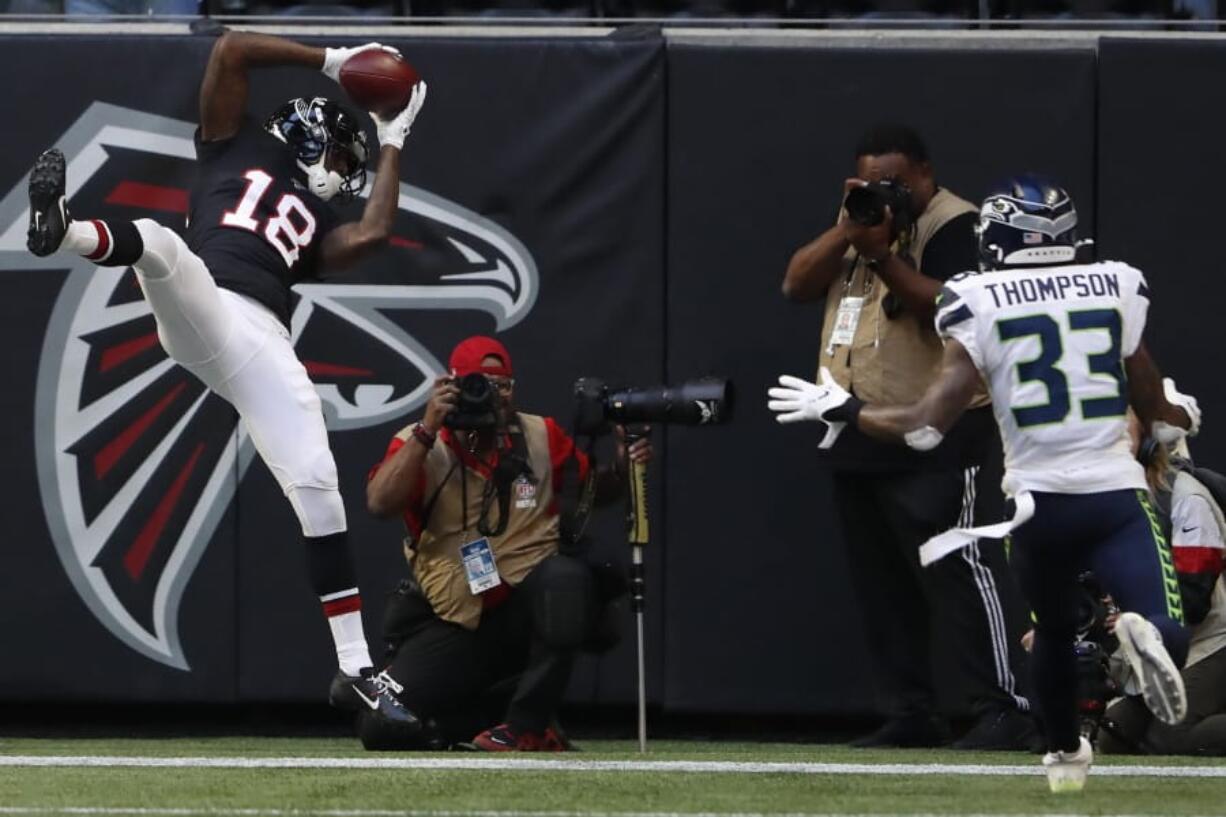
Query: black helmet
x,y
316,129
1027,221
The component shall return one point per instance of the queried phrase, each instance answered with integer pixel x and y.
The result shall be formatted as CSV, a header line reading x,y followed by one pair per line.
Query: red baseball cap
x,y
467,356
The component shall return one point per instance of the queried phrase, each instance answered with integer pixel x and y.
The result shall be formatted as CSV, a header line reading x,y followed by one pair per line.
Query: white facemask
x,y
322,182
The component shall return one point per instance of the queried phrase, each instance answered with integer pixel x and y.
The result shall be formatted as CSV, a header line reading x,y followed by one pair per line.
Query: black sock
x,y
330,564
119,244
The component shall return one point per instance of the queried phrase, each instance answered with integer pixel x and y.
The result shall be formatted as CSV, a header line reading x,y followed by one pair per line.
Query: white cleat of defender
x,y
1066,771
1152,668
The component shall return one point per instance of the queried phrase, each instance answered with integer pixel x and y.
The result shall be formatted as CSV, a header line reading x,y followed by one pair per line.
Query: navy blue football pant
x,y
1117,535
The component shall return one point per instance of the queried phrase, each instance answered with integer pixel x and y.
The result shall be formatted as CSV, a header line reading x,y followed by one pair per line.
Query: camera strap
x,y
428,508
574,519
513,464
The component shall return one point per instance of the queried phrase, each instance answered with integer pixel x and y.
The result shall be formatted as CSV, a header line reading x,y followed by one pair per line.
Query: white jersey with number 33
x,y
1051,344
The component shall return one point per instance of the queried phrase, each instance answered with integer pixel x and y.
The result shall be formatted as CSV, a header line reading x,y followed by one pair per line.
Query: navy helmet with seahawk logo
x,y
1027,221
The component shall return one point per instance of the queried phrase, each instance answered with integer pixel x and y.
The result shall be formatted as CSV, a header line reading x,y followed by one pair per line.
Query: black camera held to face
x,y
866,204
706,401
477,406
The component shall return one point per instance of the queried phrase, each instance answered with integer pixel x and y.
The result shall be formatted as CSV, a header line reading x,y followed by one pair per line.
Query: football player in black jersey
x,y
258,223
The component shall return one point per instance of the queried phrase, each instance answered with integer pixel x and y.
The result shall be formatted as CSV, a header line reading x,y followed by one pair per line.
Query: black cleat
x,y
1001,729
372,693
913,731
48,210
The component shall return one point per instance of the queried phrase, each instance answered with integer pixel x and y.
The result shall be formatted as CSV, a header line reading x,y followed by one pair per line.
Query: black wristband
x,y
846,413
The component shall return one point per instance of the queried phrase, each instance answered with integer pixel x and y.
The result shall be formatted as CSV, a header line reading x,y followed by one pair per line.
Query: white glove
x,y
796,400
1168,434
394,131
334,58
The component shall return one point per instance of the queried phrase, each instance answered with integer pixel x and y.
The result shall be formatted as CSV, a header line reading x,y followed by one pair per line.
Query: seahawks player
x,y
1059,344
259,222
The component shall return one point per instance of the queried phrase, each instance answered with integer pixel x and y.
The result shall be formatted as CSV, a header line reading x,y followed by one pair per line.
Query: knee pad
x,y
162,247
308,466
321,512
564,610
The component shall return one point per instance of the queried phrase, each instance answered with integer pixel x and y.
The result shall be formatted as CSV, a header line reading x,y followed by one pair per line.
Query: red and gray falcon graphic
x,y
137,461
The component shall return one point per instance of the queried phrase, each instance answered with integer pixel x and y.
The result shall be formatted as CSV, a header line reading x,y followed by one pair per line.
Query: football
x,y
378,80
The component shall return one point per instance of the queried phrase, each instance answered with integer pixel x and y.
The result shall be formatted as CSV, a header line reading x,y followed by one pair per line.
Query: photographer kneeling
x,y
485,629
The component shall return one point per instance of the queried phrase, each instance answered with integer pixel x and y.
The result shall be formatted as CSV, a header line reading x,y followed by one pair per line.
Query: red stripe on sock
x,y
149,197
349,604
104,242
137,557
123,352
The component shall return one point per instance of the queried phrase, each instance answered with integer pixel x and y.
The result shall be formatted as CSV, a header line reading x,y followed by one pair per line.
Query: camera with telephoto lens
x,y
476,404
866,204
706,401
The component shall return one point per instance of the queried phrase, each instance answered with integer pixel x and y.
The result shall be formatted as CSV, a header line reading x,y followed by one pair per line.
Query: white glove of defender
x,y
1168,434
334,58
795,400
395,130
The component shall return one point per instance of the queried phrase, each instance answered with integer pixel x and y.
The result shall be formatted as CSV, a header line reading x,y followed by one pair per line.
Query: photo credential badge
x,y
479,566
845,322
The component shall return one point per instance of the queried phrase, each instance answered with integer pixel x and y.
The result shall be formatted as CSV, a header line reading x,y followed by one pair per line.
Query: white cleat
x,y
1155,673
1066,771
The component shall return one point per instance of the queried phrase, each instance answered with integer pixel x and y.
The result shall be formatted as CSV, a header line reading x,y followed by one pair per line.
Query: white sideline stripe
x,y
258,812
527,764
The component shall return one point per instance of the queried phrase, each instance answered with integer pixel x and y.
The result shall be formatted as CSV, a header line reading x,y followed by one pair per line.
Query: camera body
x,y
477,404
706,401
866,204
1095,644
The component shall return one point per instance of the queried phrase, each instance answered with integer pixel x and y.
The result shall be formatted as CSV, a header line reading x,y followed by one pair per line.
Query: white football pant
x,y
243,353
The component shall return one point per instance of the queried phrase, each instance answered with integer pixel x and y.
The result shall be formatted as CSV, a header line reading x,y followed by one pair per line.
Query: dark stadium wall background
x,y
658,191
163,567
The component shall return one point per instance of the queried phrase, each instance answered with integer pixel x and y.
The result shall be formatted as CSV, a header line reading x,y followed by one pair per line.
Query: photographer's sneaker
x,y
1152,668
1066,771
372,692
48,211
503,738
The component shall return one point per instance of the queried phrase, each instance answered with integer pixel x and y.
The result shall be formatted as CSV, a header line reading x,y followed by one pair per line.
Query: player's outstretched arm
x,y
924,423
921,425
349,242
1158,405
223,93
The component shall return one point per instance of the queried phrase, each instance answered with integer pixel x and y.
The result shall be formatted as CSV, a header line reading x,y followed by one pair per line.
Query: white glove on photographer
x,y
334,58
1168,434
795,400
394,131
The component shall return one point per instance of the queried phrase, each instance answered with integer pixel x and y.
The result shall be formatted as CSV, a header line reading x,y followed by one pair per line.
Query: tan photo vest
x,y
890,361
531,534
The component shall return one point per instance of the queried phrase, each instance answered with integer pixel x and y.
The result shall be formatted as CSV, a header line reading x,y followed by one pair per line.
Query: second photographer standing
x,y
493,613
880,269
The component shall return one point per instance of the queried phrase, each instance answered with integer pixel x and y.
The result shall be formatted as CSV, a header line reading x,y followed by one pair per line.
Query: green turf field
x,y
681,789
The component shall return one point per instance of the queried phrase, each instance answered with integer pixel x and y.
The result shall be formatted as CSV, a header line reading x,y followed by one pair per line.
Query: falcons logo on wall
x,y
137,461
